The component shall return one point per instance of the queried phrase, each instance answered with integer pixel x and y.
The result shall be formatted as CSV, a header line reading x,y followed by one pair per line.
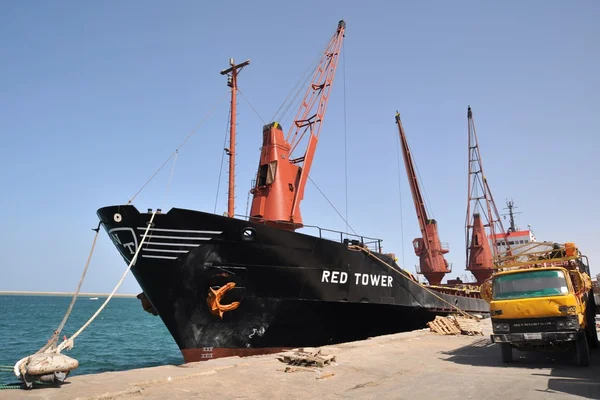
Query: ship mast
x,y
232,73
480,200
281,178
428,247
510,205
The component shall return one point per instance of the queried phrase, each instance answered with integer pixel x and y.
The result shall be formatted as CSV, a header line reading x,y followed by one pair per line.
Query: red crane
x,y
428,247
480,201
281,179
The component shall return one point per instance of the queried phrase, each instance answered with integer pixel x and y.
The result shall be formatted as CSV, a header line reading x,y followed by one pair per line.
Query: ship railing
x,y
371,243
418,269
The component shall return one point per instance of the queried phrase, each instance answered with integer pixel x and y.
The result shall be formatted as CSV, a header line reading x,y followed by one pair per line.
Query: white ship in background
x,y
516,238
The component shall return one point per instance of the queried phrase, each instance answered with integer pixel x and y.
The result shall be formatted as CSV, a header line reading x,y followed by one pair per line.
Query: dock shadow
x,y
564,377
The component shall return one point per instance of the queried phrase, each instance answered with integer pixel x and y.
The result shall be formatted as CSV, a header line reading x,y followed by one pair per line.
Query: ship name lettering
x,y
334,277
129,246
360,279
373,280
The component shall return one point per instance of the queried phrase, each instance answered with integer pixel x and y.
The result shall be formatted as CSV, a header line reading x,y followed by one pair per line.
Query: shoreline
x,y
32,293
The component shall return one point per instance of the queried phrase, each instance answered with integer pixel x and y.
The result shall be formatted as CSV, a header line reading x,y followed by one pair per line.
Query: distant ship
x,y
229,285
514,237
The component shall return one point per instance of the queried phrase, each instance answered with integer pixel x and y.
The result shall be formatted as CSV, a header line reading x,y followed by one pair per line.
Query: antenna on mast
x,y
510,206
232,73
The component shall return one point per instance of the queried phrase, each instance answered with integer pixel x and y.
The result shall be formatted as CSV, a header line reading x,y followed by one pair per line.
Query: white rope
x,y
170,178
69,342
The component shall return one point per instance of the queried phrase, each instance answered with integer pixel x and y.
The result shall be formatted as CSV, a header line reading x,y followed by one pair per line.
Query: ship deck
x,y
416,365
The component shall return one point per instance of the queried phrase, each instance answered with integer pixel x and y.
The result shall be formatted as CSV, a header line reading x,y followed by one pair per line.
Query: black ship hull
x,y
293,289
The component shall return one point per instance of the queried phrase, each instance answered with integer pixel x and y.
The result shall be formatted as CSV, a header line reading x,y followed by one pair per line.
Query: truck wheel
x,y
506,352
582,351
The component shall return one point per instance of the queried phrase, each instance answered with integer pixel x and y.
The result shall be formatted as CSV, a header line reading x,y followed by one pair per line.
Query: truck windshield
x,y
530,284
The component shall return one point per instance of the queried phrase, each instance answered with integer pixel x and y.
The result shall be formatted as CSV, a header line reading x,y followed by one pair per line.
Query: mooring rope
x,y
8,368
354,247
54,338
69,342
11,386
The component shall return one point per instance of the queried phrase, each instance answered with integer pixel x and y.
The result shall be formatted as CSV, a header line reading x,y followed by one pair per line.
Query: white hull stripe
x,y
166,250
172,244
176,237
161,257
181,231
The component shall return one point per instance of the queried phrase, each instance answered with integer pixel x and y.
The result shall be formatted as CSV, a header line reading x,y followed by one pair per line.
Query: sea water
x,y
122,337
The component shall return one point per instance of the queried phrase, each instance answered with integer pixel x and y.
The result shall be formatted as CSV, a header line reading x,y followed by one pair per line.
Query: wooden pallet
x,y
469,326
455,326
308,357
444,326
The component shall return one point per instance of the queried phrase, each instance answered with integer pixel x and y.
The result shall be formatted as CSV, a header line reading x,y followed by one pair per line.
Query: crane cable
x,y
331,204
345,133
400,196
297,88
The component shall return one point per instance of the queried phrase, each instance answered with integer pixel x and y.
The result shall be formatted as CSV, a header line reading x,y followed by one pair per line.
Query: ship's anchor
x,y
214,298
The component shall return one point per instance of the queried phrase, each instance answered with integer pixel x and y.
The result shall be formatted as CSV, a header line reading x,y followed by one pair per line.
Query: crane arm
x,y
311,121
414,184
281,178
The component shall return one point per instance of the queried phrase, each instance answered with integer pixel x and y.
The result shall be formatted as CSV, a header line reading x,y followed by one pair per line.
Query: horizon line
x,y
43,293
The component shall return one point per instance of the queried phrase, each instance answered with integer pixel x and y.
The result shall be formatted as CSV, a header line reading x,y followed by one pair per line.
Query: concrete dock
x,y
412,365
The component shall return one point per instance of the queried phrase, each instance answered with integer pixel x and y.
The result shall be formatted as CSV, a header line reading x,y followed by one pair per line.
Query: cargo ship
x,y
229,285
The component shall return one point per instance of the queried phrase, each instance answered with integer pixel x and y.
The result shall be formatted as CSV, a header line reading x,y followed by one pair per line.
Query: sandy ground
x,y
413,365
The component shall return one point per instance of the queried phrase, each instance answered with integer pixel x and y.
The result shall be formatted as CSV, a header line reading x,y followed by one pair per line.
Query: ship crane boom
x,y
281,179
481,213
428,247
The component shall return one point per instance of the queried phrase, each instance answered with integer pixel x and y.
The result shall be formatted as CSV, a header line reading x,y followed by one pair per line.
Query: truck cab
x,y
543,302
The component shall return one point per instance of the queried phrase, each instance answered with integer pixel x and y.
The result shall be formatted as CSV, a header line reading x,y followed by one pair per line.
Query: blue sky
x,y
94,96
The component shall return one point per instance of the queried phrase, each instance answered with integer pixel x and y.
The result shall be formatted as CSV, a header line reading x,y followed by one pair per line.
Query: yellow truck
x,y
541,298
